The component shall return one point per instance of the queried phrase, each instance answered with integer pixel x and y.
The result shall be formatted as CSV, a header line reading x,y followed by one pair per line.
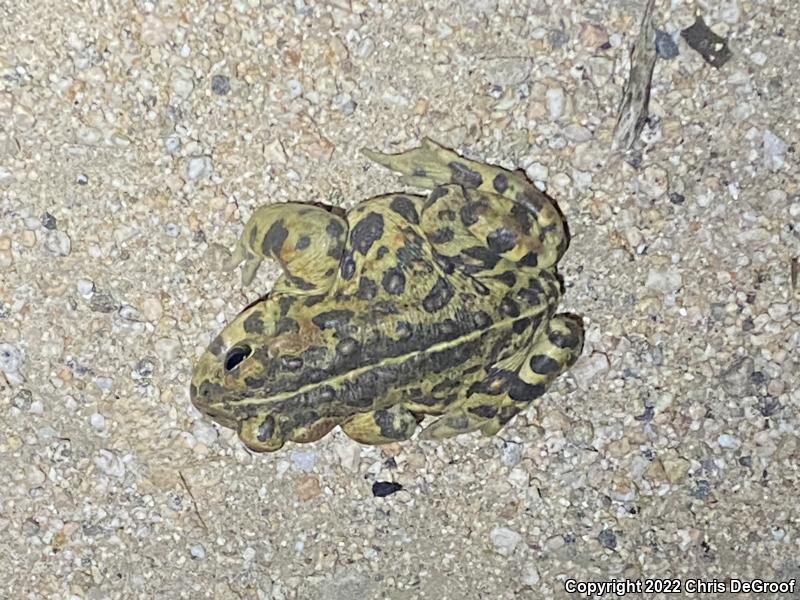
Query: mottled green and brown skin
x,y
406,306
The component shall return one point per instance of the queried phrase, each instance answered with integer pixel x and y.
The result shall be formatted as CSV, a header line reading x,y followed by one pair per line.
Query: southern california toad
x,y
403,307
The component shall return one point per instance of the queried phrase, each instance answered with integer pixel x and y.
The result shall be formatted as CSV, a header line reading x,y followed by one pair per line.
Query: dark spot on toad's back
x,y
544,365
470,212
565,340
315,299
285,303
522,216
405,208
462,175
286,325
438,296
394,282
347,346
500,183
485,411
441,236
334,229
254,323
367,289
483,254
509,308
332,319
437,193
291,363
382,251
303,242
273,241
348,266
521,325
366,232
501,240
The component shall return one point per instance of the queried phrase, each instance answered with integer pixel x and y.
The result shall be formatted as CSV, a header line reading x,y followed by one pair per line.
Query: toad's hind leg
x,y
382,426
306,240
491,403
504,210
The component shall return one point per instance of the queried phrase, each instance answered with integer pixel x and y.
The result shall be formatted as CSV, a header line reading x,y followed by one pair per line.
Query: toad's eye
x,y
236,355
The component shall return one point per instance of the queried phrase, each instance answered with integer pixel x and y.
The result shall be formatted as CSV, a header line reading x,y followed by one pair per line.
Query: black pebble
x,y
665,45
48,221
381,489
220,85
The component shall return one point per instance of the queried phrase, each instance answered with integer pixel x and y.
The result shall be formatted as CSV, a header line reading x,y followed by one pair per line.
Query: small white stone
x,y
729,442
504,540
590,367
199,167
303,461
57,243
530,575
172,144
519,477
365,48
537,172
295,88
729,11
197,552
154,31
85,287
35,476
168,349
204,432
774,149
97,421
110,464
11,359
554,98
512,454
778,311
577,133
152,309
759,58
665,281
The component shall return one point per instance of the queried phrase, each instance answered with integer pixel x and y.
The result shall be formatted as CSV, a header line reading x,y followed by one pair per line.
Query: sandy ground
x,y
135,141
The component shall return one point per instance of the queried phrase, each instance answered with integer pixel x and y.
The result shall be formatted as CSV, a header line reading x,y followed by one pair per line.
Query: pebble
x,y
504,540
666,281
168,349
103,302
729,442
11,359
97,421
554,99
152,309
204,432
183,82
577,133
511,453
736,379
774,150
505,72
537,172
530,575
172,144
654,182
220,85
303,461
199,167
154,31
365,48
307,488
110,464
381,489
57,243
590,367
665,45
197,552
49,221
607,539
295,88
85,287
729,11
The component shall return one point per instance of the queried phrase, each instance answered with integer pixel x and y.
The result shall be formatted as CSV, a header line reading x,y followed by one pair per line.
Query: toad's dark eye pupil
x,y
236,355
